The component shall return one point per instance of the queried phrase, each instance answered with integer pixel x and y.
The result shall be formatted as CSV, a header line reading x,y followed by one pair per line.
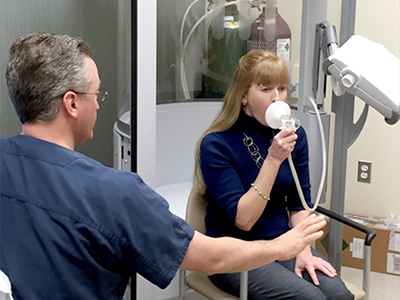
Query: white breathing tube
x,y
278,116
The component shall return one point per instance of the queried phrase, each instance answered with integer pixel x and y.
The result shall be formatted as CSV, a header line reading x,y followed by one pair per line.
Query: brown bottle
x,y
280,44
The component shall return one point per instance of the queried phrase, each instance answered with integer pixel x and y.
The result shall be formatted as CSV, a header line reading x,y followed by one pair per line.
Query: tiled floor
x,y
382,286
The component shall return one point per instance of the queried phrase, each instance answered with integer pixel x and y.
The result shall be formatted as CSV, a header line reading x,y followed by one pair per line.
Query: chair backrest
x,y
195,216
196,211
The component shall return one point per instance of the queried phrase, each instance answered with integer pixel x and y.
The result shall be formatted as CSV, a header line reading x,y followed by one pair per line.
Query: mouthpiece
x,y
278,116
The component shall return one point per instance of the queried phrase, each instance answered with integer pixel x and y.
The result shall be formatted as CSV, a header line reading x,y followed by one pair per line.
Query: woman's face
x,y
259,97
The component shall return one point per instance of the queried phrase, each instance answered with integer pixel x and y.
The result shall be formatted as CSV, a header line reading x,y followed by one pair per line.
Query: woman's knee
x,y
310,292
343,294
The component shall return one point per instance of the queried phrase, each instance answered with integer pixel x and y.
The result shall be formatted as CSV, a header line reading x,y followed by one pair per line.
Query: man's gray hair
x,y
42,67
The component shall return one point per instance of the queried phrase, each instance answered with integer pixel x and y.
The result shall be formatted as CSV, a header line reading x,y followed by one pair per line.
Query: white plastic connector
x,y
348,80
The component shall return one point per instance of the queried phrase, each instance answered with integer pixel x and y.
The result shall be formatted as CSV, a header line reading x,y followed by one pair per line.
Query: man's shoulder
x,y
60,161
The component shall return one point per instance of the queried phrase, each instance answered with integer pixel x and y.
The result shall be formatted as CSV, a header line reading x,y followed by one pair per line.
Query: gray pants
x,y
277,280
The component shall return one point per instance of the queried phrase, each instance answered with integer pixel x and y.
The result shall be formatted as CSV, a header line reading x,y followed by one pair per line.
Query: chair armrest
x,y
370,233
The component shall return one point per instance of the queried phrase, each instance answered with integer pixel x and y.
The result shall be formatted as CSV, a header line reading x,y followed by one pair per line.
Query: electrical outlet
x,y
364,171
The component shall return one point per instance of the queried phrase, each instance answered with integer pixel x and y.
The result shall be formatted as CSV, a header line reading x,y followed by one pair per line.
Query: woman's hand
x,y
305,261
283,144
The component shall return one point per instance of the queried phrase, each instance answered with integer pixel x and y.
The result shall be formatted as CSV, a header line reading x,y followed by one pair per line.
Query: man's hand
x,y
295,240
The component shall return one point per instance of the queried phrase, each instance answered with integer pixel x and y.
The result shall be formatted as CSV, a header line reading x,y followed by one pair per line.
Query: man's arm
x,y
227,255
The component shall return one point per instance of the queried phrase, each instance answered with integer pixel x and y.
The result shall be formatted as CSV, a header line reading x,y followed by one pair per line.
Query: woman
x,y
242,169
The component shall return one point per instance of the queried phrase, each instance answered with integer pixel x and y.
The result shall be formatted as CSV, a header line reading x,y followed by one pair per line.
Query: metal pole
x,y
367,269
243,285
344,108
133,115
182,284
313,13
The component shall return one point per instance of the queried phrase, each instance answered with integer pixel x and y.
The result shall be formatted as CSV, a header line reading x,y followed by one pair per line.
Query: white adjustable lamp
x,y
369,71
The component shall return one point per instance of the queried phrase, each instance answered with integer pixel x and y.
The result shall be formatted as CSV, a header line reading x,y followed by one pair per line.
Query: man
x,y
72,228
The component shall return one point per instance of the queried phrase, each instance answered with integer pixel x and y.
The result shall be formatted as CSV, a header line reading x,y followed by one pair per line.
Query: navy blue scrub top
x,y
72,228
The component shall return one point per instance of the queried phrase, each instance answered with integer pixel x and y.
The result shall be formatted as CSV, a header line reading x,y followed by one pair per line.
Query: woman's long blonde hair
x,y
258,66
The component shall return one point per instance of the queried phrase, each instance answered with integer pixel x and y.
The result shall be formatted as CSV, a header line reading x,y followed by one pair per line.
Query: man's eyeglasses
x,y
101,95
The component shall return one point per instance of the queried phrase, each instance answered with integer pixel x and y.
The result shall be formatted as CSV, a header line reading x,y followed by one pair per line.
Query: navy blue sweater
x,y
229,170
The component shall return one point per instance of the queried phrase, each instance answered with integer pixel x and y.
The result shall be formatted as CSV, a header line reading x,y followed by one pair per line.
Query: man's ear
x,y
70,104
